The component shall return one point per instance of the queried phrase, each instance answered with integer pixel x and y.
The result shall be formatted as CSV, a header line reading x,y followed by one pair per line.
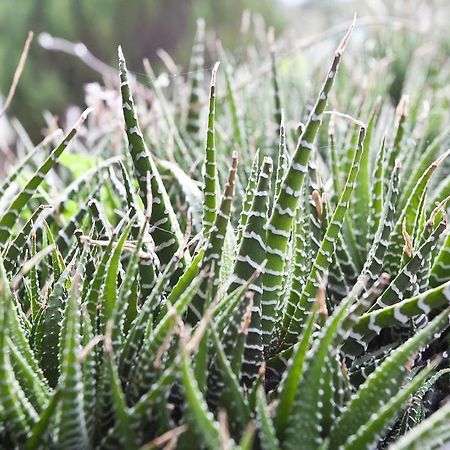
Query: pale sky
x,y
292,2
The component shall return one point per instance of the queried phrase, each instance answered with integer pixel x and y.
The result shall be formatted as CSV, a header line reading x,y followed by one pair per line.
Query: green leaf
x,y
381,384
268,437
210,177
195,76
231,395
250,258
292,377
212,259
368,434
9,218
40,431
283,212
71,425
122,414
17,245
291,327
199,419
165,228
431,433
110,291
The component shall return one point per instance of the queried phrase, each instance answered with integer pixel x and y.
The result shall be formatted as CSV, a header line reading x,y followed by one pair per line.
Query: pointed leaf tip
x,y
402,107
120,52
82,118
86,112
214,73
201,26
341,47
441,158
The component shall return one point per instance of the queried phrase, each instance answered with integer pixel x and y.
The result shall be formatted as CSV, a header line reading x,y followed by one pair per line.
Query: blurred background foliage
x,y
54,80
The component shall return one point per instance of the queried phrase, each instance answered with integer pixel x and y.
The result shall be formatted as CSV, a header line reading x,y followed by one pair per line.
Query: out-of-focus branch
x,y
79,50
17,73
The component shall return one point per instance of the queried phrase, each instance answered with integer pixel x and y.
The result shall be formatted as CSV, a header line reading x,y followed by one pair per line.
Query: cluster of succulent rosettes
x,y
298,298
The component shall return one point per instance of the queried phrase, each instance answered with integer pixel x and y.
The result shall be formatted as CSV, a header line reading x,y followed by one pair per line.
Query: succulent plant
x,y
184,295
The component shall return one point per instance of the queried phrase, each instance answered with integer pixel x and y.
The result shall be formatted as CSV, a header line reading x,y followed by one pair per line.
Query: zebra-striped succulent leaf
x,y
303,305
